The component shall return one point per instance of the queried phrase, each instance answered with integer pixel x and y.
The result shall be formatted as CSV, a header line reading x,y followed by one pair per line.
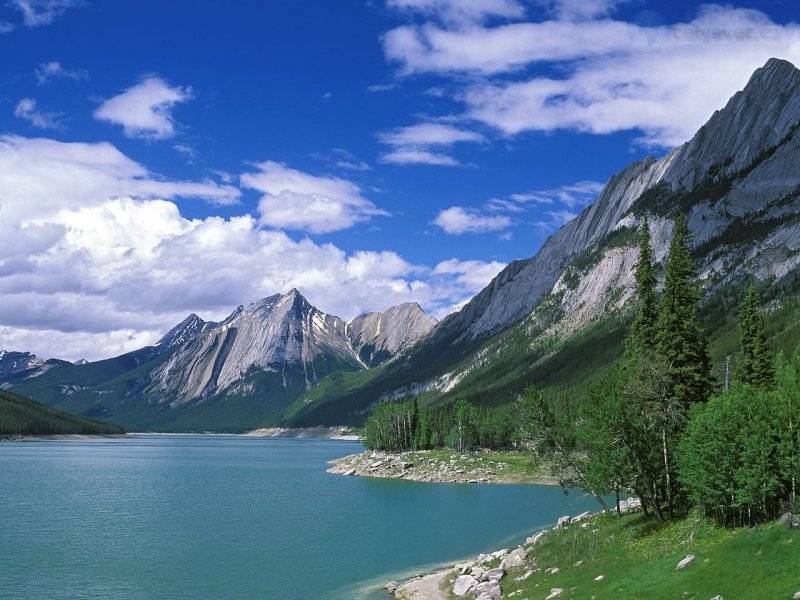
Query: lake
x,y
191,516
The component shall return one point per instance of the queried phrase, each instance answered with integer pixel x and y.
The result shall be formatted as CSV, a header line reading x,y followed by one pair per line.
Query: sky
x,y
162,158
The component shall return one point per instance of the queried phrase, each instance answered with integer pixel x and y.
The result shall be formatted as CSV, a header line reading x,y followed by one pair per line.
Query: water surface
x,y
177,517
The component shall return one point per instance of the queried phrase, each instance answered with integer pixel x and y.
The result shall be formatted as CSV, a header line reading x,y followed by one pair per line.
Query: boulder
x,y
796,596
463,585
477,572
790,519
392,587
554,593
600,578
685,562
581,517
491,589
718,597
535,537
515,559
495,574
563,521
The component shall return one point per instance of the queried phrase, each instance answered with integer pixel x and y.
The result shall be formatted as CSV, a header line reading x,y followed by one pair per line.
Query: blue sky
x,y
159,158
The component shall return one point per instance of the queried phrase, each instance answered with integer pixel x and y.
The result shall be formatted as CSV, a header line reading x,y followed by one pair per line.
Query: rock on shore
x,y
432,466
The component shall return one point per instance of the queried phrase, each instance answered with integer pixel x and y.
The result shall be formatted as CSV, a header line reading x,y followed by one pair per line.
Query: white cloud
x,y
46,72
96,259
551,207
27,109
145,110
414,144
428,134
582,9
462,10
473,274
574,195
663,80
457,220
301,201
418,157
6,27
42,12
40,176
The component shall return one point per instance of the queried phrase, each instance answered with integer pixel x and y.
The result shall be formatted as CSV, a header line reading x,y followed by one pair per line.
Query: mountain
x,y
22,416
378,336
562,313
236,374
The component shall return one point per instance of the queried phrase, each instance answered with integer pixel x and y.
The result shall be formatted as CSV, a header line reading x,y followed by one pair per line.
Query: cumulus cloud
x,y
47,72
97,259
414,144
663,80
145,110
39,175
458,220
28,110
315,203
474,274
42,12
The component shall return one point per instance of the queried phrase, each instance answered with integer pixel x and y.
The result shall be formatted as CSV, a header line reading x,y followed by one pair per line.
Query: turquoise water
x,y
229,517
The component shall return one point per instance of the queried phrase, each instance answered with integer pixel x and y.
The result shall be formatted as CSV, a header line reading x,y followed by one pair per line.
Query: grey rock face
x,y
284,335
15,363
743,172
376,337
275,334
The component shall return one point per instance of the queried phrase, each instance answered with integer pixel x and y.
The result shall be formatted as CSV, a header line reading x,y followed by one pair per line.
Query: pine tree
x,y
756,366
642,336
680,337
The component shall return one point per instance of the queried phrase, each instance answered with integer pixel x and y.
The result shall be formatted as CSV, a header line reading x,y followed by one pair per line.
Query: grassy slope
x,y
21,416
637,559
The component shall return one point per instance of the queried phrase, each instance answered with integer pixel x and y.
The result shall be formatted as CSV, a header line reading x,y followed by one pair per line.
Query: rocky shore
x,y
330,433
492,576
441,466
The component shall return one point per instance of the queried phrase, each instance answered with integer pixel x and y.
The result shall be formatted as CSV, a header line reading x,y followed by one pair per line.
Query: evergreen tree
x,y
642,336
680,337
756,366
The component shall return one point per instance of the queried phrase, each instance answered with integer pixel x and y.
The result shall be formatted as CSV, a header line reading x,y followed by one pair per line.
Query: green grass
x,y
21,416
637,559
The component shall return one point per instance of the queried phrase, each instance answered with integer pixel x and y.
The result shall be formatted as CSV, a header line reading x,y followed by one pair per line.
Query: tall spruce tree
x,y
642,335
756,365
680,337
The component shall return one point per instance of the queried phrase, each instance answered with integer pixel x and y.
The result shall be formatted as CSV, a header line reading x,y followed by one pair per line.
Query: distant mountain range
x,y
235,374
552,320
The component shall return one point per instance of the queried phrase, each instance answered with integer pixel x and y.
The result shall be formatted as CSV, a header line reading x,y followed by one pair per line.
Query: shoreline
x,y
62,437
321,432
493,575
441,466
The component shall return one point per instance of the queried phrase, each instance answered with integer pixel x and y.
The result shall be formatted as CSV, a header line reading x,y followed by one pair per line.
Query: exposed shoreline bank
x,y
442,466
328,433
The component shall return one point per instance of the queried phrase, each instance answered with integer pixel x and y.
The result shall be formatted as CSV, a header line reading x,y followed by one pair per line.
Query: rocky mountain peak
x,y
378,336
183,332
754,120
